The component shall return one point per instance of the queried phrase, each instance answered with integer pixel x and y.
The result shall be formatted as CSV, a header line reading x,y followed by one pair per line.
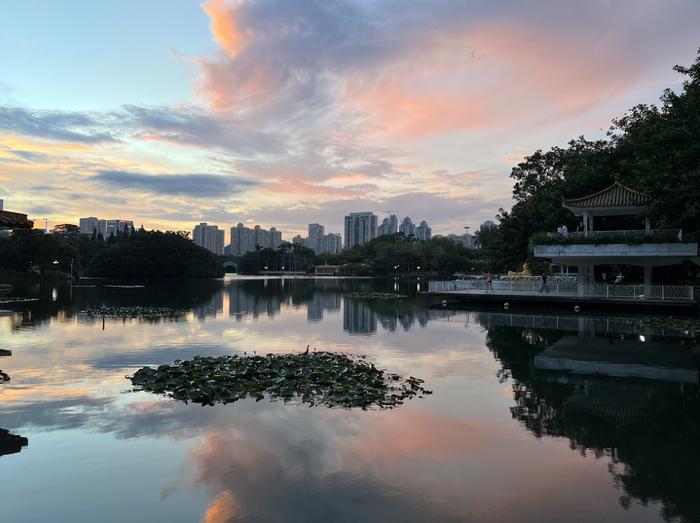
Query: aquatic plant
x,y
135,312
371,295
315,378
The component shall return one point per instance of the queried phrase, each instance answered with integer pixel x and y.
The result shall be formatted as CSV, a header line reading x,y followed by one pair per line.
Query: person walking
x,y
545,287
489,282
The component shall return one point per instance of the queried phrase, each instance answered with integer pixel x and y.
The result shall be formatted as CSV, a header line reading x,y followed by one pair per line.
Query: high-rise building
x,y
360,228
423,231
407,228
275,238
92,225
299,240
117,227
2,203
209,237
331,243
244,239
390,225
106,228
315,239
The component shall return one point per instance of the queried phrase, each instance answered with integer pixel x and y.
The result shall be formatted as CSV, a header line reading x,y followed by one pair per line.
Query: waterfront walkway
x,y
570,292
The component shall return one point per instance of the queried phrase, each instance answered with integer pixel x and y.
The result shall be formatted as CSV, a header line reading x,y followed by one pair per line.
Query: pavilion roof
x,y
14,220
616,195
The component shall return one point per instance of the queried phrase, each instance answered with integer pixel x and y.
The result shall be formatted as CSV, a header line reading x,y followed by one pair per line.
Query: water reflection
x,y
11,443
626,398
534,418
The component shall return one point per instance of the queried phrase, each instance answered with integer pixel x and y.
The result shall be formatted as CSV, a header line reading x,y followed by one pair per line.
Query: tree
x,y
652,149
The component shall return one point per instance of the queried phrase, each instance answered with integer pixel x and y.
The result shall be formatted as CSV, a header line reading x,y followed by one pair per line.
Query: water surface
x,y
534,418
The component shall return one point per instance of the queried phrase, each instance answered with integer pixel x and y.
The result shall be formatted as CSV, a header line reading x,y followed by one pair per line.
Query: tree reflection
x,y
11,443
649,430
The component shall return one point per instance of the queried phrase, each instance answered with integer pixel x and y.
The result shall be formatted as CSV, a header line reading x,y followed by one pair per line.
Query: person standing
x,y
545,287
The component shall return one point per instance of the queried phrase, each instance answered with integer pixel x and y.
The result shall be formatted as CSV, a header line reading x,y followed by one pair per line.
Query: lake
x,y
545,417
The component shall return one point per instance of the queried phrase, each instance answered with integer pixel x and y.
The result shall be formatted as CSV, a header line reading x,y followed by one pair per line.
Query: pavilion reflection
x,y
631,398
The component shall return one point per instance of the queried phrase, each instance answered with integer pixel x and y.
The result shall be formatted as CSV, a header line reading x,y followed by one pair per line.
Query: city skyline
x,y
215,116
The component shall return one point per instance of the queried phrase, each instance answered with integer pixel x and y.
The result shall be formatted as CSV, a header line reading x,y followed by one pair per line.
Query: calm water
x,y
509,435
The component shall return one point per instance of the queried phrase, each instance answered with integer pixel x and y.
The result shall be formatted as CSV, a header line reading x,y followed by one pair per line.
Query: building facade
x,y
423,231
407,227
245,239
657,261
360,228
209,237
106,228
332,243
389,226
92,225
315,239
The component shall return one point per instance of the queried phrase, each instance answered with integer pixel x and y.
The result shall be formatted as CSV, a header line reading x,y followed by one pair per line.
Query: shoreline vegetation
x,y
652,149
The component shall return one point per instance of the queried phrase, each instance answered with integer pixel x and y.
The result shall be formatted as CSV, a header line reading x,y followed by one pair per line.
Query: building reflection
x,y
629,397
358,318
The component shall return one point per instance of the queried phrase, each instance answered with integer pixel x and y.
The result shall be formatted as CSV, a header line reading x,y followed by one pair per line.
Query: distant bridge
x,y
230,264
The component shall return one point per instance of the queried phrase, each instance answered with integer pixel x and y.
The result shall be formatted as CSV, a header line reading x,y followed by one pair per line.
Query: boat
x,y
5,289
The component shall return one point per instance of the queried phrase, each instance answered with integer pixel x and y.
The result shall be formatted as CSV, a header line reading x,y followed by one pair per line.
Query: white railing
x,y
647,293
676,234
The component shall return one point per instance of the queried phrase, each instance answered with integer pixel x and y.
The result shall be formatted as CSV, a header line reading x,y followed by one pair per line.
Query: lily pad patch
x,y
368,295
135,312
315,378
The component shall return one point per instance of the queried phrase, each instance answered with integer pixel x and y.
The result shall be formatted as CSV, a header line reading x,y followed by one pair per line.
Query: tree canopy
x,y
652,149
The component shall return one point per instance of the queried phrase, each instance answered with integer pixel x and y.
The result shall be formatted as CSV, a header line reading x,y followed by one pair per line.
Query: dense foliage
x,y
651,149
381,256
314,378
154,254
139,254
25,249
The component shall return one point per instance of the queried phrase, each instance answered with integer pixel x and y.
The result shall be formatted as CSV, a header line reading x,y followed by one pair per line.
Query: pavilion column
x,y
587,223
583,270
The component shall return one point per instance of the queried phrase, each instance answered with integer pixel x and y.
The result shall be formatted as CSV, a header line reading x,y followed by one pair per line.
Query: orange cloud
x,y
225,25
222,509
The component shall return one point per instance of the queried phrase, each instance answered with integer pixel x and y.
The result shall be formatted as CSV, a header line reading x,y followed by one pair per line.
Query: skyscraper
x,y
423,231
407,227
360,228
92,225
389,226
315,238
332,243
209,237
117,227
244,239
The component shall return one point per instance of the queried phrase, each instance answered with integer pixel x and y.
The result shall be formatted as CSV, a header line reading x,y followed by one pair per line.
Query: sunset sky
x,y
287,112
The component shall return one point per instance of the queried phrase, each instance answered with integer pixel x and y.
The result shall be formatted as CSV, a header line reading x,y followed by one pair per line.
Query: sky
x,y
289,112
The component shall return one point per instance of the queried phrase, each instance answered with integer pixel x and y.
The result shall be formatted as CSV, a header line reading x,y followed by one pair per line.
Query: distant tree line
x,y
143,254
381,256
652,149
